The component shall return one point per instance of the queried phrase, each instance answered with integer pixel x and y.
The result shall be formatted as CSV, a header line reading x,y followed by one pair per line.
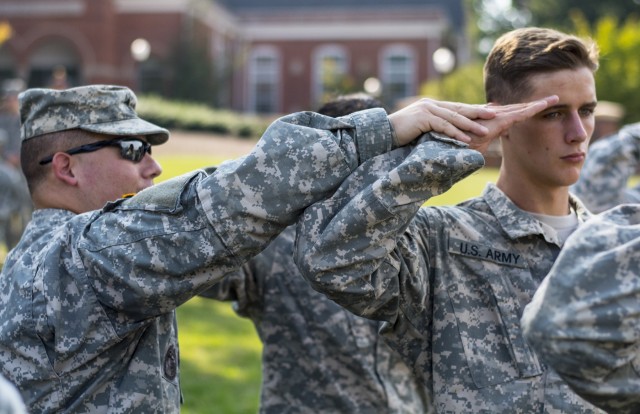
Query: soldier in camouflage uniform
x,y
15,204
583,321
450,283
317,357
610,163
306,337
87,322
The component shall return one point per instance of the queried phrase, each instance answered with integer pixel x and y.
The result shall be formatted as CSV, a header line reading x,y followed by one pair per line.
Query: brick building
x,y
262,56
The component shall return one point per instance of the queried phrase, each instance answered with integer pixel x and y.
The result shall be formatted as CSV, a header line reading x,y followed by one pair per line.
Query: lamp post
x,y
140,51
372,86
443,61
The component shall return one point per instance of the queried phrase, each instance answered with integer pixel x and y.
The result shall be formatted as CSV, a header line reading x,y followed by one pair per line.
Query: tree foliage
x,y
553,13
193,72
618,78
463,85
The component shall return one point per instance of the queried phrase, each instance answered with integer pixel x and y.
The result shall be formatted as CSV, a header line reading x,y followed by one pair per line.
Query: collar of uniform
x,y
579,208
518,223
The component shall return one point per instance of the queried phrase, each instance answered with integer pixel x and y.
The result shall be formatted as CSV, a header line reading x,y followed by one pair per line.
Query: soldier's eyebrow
x,y
556,107
591,105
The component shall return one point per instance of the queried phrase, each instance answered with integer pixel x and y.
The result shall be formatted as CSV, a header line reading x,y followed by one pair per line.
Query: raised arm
x,y
198,227
343,241
476,125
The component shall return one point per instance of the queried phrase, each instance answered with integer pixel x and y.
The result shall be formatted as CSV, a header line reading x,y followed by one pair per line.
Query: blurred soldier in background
x,y
317,356
15,203
608,116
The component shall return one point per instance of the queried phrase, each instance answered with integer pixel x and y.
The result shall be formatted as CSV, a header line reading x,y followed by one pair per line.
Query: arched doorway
x,y
54,64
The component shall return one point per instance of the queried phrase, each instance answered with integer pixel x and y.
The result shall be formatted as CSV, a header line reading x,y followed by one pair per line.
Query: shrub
x,y
199,117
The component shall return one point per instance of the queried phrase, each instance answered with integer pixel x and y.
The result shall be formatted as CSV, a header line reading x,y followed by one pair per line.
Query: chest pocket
x,y
488,289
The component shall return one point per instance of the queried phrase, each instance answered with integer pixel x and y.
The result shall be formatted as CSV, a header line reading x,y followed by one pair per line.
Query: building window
x,y
264,81
330,73
398,73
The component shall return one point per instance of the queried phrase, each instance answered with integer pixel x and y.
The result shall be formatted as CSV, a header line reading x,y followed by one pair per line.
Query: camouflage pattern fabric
x,y
103,109
610,163
449,282
583,321
317,357
88,316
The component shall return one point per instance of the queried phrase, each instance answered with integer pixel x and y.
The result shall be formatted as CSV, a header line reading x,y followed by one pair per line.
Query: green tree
x,y
462,85
553,13
618,78
490,18
192,72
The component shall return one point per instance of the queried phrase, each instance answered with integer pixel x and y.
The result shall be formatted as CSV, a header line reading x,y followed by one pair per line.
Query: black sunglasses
x,y
130,149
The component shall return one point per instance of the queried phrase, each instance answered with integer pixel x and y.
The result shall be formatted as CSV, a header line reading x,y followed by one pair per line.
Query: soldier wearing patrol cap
x,y
15,204
451,282
89,293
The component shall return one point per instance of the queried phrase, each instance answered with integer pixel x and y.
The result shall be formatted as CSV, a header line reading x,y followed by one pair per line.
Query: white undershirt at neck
x,y
563,225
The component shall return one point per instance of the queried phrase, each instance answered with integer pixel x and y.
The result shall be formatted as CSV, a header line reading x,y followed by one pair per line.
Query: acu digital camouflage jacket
x,y
450,282
87,322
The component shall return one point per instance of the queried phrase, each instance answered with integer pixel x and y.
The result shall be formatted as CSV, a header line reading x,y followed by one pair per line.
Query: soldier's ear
x,y
62,165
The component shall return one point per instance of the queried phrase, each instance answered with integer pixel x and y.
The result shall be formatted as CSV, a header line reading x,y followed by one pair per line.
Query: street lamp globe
x,y
372,86
444,60
140,50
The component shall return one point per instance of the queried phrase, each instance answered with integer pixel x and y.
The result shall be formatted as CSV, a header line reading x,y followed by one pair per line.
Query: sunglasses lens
x,y
133,150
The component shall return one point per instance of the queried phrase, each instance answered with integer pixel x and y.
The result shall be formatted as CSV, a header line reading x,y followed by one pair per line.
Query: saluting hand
x,y
476,125
505,117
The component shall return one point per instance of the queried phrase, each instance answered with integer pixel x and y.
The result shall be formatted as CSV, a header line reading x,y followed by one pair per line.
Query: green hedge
x,y
199,117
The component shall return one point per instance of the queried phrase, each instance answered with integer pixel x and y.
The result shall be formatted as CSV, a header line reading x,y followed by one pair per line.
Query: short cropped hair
x,y
521,53
34,150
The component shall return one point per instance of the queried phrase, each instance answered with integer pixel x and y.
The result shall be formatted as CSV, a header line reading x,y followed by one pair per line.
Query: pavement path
x,y
198,143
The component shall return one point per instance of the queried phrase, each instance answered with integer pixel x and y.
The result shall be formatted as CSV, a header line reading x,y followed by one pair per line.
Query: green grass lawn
x,y
220,352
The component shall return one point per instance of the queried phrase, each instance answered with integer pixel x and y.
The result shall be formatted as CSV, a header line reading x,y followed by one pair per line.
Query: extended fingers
x,y
467,110
511,114
527,108
448,121
460,121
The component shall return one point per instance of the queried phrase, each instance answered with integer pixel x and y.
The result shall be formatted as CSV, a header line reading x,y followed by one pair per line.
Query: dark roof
x,y
454,8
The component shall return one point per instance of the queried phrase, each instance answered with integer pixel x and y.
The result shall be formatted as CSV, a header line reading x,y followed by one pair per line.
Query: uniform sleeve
x,y
347,245
240,287
584,320
610,163
152,252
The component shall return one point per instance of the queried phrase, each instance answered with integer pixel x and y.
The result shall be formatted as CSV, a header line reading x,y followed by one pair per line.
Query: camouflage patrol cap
x,y
104,109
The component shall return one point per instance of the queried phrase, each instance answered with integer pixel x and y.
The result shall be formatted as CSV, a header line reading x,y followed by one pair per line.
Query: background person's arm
x,y
584,320
610,163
